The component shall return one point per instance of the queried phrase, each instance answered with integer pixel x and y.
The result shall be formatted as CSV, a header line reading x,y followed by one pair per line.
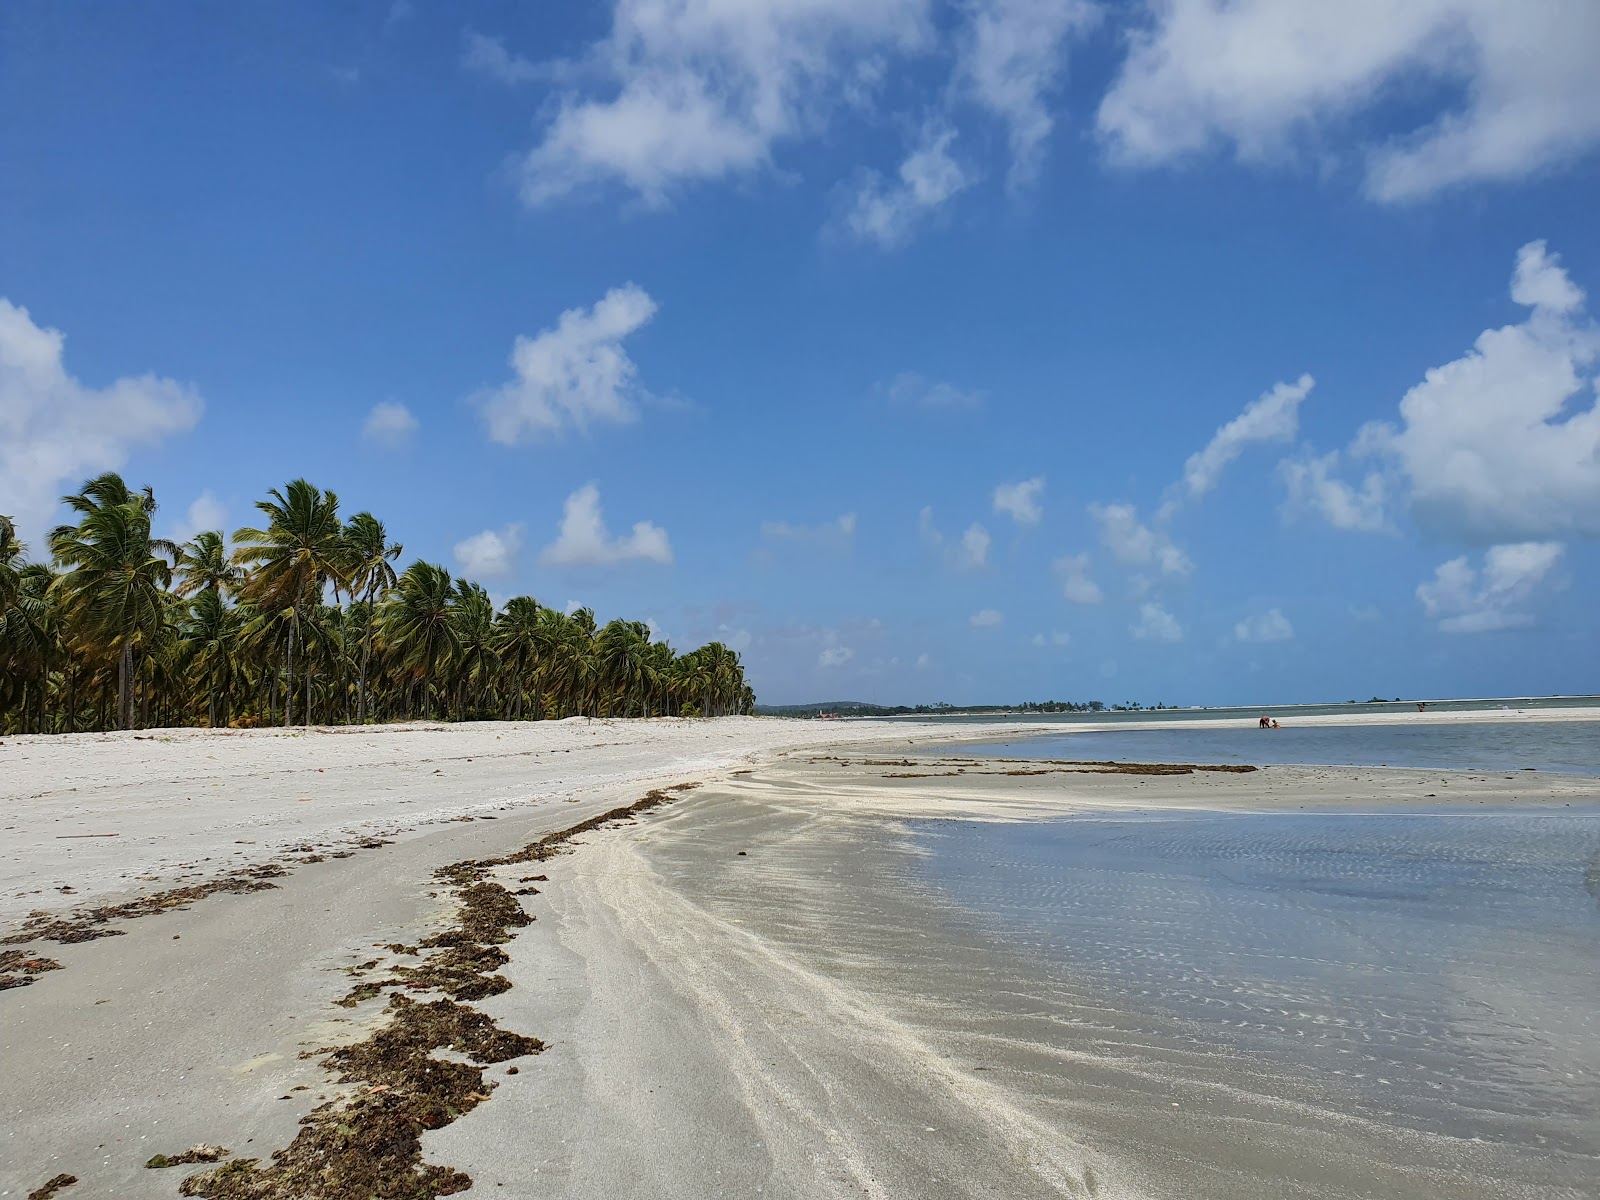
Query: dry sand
x,y
694,1051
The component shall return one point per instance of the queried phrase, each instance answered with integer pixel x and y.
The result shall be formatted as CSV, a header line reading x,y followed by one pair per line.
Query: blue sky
x,y
921,351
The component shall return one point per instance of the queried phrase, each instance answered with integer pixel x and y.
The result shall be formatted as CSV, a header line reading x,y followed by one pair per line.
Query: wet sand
x,y
792,1019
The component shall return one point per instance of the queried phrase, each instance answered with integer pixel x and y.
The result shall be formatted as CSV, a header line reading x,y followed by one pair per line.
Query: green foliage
x,y
304,618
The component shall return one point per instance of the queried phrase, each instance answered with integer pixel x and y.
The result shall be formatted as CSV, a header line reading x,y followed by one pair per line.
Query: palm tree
x,y
99,637
211,647
369,555
516,642
204,566
472,614
416,624
299,553
114,589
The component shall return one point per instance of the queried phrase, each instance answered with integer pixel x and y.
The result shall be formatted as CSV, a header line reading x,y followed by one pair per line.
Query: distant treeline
x,y
859,708
304,619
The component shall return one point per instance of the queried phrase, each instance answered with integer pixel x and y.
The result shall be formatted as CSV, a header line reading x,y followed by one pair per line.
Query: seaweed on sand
x,y
90,924
51,1187
369,1142
17,968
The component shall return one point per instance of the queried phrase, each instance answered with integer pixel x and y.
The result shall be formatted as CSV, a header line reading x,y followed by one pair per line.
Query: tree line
x,y
304,620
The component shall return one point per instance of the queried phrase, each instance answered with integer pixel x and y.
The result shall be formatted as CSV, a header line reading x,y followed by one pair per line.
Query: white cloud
x,y
1517,84
973,553
585,541
204,513
1463,599
55,431
703,90
890,213
1135,543
389,424
1270,626
835,656
1503,444
737,640
923,661
1313,484
1156,624
488,56
1021,500
1011,59
970,553
574,375
1272,417
828,533
1055,638
987,618
911,389
1076,583
490,554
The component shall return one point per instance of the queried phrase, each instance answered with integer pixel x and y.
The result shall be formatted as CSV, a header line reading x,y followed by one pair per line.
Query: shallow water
x,y
1567,747
1430,971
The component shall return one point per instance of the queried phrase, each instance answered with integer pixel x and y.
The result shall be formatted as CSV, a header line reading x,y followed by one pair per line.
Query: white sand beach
x,y
717,1022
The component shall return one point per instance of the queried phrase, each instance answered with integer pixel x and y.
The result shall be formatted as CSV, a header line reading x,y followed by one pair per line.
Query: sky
x,y
1186,351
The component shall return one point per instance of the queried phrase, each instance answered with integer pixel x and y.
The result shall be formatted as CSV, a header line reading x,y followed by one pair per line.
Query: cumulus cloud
x,y
1055,638
693,91
1077,585
889,212
389,424
1503,444
923,661
1270,626
55,431
1136,544
1515,84
490,554
987,618
834,532
1156,624
1313,484
968,553
1464,599
913,390
1020,500
835,656
1500,445
487,56
1272,417
205,512
1011,59
585,541
574,375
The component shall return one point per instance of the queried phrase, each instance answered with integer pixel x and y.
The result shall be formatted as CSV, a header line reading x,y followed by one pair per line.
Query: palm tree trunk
x,y
366,657
288,691
125,686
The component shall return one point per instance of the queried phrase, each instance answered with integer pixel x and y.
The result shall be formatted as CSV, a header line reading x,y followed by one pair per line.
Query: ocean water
x,y
1428,971
1568,747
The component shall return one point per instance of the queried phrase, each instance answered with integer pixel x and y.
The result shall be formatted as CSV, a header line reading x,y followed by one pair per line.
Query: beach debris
x,y
202,1153
369,1143
52,1186
17,968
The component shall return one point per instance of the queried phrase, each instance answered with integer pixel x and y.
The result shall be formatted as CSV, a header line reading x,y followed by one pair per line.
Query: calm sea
x,y
1429,971
1569,747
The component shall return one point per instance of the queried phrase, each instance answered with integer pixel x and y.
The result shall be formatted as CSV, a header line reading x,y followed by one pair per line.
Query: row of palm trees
x,y
304,620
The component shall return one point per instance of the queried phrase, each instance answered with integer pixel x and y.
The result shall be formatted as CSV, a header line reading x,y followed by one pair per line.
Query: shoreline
x,y
272,965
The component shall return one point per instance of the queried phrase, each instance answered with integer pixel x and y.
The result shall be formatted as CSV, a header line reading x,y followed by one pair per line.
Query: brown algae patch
x,y
51,1187
369,1142
90,924
1076,767
194,1154
17,968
